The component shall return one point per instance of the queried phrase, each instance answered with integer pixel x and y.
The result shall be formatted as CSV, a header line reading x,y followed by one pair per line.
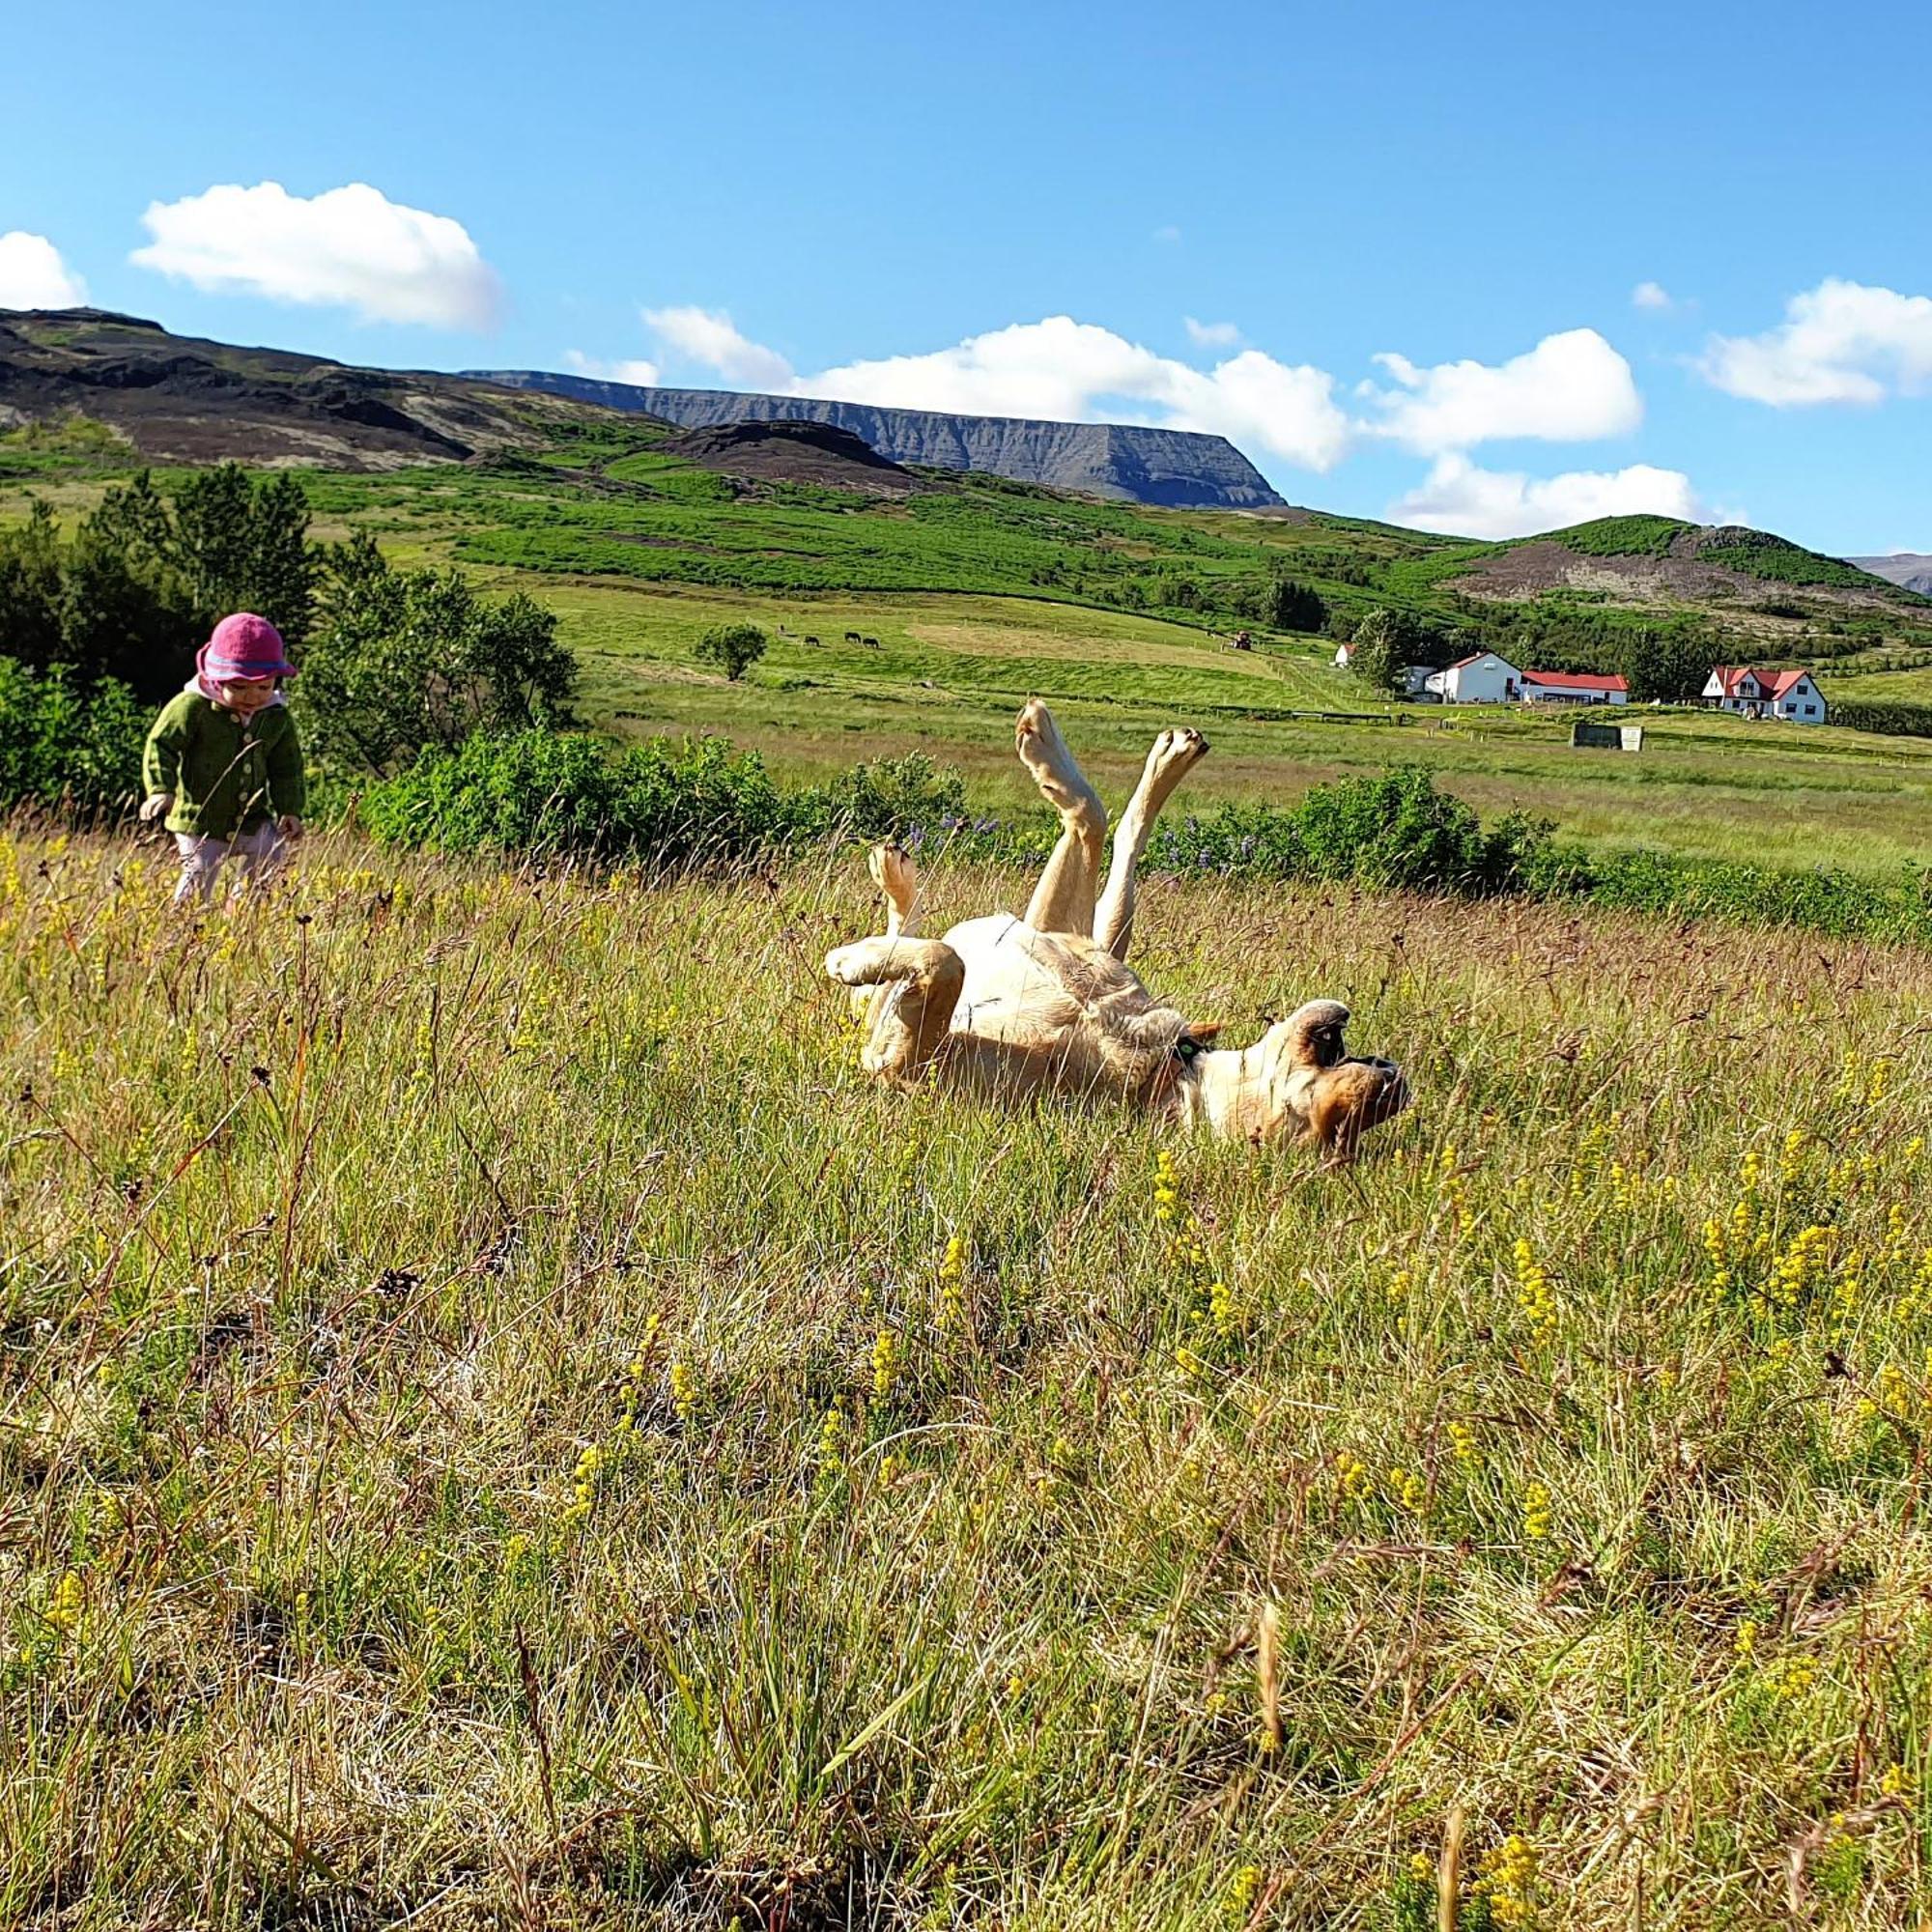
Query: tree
x,y
733,647
1670,665
404,658
1284,605
30,589
283,563
1380,649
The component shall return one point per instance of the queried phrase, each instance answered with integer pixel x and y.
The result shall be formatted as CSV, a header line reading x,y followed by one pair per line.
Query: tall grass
x,y
503,1424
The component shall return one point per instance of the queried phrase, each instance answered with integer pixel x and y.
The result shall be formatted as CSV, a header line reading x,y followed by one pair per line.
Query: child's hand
x,y
289,826
157,804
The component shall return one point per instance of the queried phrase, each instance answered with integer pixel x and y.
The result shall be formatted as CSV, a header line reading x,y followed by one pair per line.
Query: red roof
x,y
1475,657
1575,680
1775,683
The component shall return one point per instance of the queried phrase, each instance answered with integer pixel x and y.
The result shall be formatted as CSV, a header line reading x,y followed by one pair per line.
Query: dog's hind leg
x,y
1174,754
1063,900
917,982
897,880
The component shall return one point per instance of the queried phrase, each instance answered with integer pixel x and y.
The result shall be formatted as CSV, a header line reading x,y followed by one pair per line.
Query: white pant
x,y
260,854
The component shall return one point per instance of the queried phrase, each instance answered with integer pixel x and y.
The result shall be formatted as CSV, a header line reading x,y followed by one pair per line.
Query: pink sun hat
x,y
243,646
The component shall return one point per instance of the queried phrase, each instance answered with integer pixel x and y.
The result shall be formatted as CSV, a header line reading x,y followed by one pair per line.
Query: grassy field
x,y
500,1423
949,672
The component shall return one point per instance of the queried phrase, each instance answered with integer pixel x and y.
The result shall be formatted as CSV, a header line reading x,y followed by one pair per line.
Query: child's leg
x,y
259,855
200,861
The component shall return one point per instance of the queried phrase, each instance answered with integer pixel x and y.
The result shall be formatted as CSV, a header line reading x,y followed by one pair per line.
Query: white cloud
x,y
1065,371
1841,342
645,375
1168,233
1462,501
33,275
1212,334
710,336
350,248
1651,295
1570,387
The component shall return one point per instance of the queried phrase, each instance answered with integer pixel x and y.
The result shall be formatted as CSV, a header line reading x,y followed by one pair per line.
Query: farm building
x,y
1566,687
1753,693
1483,678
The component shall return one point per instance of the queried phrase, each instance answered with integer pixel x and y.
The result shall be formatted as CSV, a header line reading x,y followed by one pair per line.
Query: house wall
x,y
1487,681
1795,702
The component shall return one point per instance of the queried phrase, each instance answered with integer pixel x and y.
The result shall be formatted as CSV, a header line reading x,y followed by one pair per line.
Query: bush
x,y
733,647
559,793
1395,830
890,798
64,746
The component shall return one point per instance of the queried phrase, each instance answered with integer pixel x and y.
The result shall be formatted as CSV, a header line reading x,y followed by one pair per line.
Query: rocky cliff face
x,y
1146,465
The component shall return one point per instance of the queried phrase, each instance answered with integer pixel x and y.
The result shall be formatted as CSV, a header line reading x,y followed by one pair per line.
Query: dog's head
x,y
1272,1089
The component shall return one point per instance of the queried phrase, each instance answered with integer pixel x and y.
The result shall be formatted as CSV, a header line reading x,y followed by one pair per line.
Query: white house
x,y
1480,679
1574,687
1753,693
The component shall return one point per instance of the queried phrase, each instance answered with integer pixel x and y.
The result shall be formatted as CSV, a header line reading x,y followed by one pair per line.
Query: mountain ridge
x,y
1171,469
1909,570
188,399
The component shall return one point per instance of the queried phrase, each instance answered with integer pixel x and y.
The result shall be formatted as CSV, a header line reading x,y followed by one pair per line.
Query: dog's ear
x,y
1204,1032
1314,1033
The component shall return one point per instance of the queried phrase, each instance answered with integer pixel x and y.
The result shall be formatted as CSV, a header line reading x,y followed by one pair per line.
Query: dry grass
x,y
491,1433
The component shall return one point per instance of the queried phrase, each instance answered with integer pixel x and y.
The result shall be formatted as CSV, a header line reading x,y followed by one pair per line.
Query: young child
x,y
223,765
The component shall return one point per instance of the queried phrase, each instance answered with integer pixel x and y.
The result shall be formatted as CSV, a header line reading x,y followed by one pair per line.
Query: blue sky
x,y
889,203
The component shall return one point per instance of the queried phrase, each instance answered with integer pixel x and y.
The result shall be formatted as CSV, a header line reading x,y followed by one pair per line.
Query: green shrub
x,y
559,793
67,746
403,658
890,797
1392,830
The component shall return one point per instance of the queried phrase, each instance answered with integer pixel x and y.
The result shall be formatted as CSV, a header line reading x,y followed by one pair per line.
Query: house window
x,y
1810,711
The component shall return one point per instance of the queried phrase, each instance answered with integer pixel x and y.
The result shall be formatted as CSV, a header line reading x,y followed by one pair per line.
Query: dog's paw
x,y
850,965
1043,750
895,874
1177,750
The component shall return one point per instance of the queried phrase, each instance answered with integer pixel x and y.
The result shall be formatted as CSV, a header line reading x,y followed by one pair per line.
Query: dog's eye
x,y
1185,1048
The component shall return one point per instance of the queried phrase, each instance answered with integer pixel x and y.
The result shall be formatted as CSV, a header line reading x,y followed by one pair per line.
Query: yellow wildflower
x,y
885,1363
1537,1512
1507,1880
